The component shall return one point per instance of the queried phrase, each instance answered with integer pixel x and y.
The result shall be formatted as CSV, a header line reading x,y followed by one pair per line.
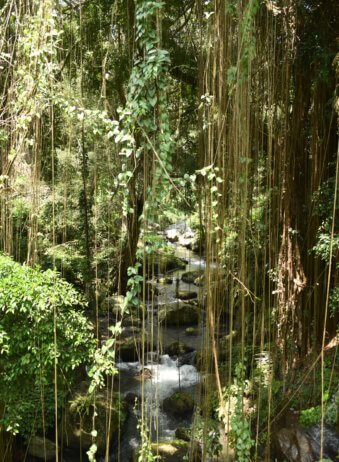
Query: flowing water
x,y
166,374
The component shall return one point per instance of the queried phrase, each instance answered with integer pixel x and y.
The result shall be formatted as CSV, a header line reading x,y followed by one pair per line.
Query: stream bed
x,y
165,373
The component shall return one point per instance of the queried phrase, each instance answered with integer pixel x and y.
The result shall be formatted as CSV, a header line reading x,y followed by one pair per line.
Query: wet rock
x,y
79,420
187,358
186,295
129,347
178,314
178,348
198,360
180,404
190,276
151,290
303,445
42,448
293,446
331,441
164,281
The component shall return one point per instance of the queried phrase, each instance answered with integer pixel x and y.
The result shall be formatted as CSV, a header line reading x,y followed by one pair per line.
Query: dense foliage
x,y
34,303
120,118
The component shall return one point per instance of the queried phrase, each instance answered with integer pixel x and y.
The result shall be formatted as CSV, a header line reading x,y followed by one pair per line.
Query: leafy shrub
x,y
312,415
32,304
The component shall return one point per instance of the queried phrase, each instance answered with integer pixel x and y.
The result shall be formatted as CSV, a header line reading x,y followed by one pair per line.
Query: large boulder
x,y
191,276
184,235
178,314
79,420
187,358
187,239
177,230
172,235
177,349
292,445
187,295
180,404
331,441
303,445
42,448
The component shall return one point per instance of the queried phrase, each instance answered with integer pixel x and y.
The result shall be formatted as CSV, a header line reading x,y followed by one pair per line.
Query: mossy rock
x,y
178,314
180,404
165,281
162,263
79,420
128,348
190,276
187,295
192,331
177,348
41,448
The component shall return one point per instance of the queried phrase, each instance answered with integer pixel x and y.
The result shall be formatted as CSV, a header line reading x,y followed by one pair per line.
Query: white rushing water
x,y
166,378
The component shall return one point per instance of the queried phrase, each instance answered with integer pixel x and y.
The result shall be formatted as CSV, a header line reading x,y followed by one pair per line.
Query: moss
x,y
180,403
192,331
179,314
191,276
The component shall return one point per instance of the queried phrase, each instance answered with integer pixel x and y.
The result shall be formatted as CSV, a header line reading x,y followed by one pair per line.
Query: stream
x,y
167,374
